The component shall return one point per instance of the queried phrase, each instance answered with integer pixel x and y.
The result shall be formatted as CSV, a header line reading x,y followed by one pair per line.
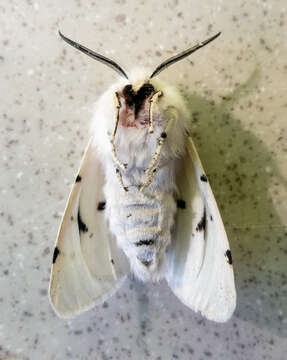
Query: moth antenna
x,y
182,55
117,117
149,180
94,55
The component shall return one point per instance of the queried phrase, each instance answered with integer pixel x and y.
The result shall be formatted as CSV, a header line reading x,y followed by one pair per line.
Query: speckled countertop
x,y
236,90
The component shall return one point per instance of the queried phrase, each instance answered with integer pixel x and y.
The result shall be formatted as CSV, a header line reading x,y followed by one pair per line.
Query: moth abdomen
x,y
147,257
142,224
146,262
145,242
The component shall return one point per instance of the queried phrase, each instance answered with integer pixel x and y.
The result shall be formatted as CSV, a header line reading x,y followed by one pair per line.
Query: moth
x,y
141,202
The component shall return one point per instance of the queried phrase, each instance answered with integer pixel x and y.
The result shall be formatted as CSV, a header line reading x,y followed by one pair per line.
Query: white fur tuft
x,y
134,216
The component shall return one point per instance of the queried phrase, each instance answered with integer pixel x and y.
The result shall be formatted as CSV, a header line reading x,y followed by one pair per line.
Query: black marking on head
x,y
181,204
202,224
211,218
101,205
136,99
112,261
78,178
82,226
163,135
144,243
55,254
228,254
72,218
129,95
143,93
203,178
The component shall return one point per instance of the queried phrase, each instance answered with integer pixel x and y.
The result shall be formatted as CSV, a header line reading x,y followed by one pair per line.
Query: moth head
x,y
137,90
135,100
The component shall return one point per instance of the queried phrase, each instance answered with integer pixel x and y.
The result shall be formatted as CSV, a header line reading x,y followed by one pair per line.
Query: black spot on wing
x,y
181,204
144,242
82,226
55,254
101,205
163,135
202,224
229,257
203,178
78,178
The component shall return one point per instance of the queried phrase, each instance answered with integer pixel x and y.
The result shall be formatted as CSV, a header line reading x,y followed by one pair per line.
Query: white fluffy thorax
x,y
133,215
130,139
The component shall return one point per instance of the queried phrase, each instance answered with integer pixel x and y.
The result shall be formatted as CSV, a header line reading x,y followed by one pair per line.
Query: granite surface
x,y
236,91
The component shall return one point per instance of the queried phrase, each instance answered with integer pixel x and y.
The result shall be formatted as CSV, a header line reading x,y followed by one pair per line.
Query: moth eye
x,y
145,90
129,94
127,89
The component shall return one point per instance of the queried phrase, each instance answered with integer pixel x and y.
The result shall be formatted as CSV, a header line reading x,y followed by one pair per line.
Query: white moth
x,y
142,201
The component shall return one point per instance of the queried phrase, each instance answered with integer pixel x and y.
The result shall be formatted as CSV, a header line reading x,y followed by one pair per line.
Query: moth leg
x,y
117,117
151,104
149,180
120,178
161,141
156,154
118,106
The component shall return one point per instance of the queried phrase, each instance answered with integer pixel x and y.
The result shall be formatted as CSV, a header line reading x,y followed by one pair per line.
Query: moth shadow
x,y
241,171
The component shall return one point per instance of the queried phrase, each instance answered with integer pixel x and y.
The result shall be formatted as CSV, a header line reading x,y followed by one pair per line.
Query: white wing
x,y
200,265
87,265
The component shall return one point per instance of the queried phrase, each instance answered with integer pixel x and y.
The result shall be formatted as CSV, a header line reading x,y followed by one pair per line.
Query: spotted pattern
x,y
55,254
229,256
82,226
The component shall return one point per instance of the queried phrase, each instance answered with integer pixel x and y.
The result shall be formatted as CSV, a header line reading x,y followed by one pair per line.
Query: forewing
x,y
200,265
87,264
